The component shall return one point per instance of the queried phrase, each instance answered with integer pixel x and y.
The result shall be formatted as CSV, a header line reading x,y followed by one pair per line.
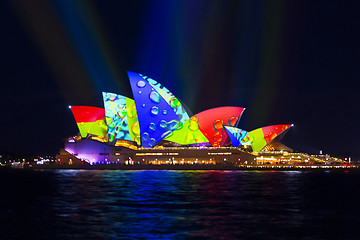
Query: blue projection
x,y
158,118
169,98
237,136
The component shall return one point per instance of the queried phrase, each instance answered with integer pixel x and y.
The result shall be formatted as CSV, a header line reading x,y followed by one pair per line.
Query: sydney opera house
x,y
157,128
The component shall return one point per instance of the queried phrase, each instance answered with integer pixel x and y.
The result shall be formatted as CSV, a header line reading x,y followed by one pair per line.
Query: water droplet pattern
x,y
237,136
158,119
170,99
121,117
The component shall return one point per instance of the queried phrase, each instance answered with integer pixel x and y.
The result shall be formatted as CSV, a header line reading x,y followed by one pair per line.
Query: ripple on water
x,y
115,204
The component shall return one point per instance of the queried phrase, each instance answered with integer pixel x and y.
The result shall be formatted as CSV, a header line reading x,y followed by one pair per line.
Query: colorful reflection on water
x,y
115,204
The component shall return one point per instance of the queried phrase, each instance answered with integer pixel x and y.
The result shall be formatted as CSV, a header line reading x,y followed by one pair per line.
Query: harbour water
x,y
118,204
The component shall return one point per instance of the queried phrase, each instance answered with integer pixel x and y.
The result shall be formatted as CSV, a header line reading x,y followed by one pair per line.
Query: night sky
x,y
284,61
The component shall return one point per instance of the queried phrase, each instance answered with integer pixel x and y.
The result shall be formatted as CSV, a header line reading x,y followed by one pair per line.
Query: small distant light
x,y
69,106
292,125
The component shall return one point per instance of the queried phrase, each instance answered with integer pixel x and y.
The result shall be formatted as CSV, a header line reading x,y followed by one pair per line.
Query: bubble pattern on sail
x,y
211,123
260,137
237,136
158,119
169,98
90,120
189,133
121,118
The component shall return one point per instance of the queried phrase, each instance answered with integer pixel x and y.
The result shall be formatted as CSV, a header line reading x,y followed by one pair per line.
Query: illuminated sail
x,y
260,137
211,123
237,136
157,118
90,120
121,117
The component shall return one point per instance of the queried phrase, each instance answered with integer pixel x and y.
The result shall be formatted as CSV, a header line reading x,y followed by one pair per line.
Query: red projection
x,y
90,120
87,114
212,121
270,132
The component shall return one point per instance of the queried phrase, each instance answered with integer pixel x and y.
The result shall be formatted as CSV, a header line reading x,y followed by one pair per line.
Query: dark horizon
x,y
286,62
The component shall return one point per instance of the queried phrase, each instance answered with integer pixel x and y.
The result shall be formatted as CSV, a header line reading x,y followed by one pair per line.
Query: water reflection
x,y
115,204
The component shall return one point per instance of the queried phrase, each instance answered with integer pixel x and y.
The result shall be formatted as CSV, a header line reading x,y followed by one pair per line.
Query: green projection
x,y
188,133
257,139
133,120
260,137
90,120
121,118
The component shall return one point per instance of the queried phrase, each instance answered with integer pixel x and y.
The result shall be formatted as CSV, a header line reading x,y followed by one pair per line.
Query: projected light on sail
x,y
188,134
121,117
169,98
262,136
237,136
212,121
90,120
157,119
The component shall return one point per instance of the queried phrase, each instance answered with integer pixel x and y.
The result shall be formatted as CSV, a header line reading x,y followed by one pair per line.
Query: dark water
x,y
78,204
